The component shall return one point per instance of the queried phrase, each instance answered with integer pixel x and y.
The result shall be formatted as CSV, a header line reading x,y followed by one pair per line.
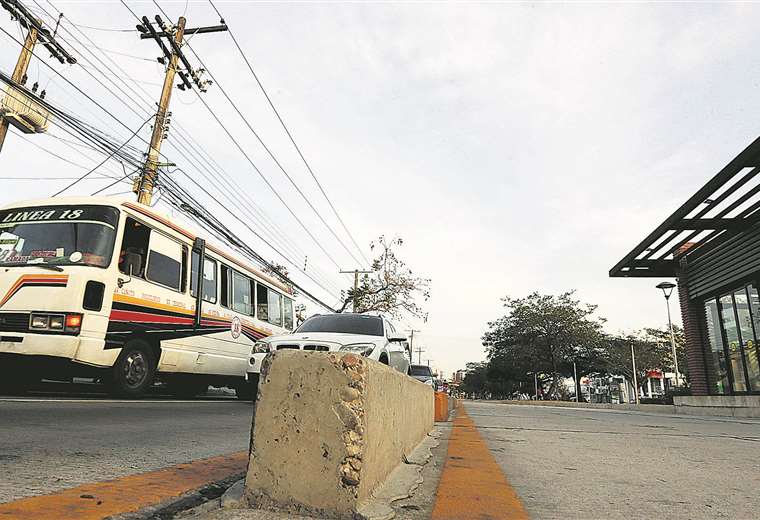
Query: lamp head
x,y
667,288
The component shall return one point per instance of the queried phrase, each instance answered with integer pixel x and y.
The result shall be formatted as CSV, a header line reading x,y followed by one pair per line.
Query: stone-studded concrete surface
x,y
572,463
417,507
48,445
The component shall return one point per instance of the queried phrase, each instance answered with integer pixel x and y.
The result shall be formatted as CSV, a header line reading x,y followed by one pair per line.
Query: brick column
x,y
693,316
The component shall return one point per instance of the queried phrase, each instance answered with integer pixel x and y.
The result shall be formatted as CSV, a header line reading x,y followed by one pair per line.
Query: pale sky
x,y
514,146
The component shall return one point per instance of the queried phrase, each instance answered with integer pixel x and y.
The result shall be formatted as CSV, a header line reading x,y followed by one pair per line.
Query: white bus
x,y
106,288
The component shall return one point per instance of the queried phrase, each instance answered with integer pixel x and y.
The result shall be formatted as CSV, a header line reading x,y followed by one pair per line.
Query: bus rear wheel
x,y
134,371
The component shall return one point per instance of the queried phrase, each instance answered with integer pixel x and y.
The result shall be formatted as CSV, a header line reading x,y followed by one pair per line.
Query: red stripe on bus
x,y
145,317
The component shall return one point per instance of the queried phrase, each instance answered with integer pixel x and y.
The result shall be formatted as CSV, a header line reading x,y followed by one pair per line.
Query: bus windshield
x,y
58,235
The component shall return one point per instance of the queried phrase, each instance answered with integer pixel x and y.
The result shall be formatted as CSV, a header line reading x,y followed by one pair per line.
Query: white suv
x,y
371,336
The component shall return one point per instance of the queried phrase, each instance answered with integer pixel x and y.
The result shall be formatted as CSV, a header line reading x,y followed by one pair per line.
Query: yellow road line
x,y
472,485
126,494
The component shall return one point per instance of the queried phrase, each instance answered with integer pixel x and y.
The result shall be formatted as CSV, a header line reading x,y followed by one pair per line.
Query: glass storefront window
x,y
735,358
747,309
716,359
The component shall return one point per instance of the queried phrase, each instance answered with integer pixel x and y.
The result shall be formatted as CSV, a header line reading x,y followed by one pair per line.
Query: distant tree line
x,y
542,336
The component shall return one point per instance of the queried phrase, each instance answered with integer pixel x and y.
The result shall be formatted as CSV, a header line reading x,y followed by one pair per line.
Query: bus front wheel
x,y
134,371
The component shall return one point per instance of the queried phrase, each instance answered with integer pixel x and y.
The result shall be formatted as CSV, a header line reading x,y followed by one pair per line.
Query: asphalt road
x,y
572,463
51,443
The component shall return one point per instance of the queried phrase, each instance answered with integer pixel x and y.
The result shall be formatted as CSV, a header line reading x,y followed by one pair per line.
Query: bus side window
x,y
275,309
262,302
164,262
209,277
241,294
287,314
224,286
134,248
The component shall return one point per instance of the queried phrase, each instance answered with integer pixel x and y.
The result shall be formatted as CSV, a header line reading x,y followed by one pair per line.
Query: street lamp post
x,y
667,290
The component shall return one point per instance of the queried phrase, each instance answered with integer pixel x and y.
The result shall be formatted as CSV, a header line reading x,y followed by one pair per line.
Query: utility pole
x,y
36,31
575,380
635,376
174,36
356,273
419,352
411,344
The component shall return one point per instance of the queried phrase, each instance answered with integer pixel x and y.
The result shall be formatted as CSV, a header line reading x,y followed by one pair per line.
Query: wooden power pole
x,y
172,57
36,31
19,73
148,178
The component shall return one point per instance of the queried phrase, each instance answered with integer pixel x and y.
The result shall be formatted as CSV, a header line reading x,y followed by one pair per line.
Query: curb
x,y
168,508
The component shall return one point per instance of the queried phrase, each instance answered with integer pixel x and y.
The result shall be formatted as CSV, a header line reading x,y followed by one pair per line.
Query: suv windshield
x,y
420,370
344,323
59,235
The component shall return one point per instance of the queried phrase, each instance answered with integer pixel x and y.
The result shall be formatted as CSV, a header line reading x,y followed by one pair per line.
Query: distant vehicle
x,y
423,373
107,289
371,336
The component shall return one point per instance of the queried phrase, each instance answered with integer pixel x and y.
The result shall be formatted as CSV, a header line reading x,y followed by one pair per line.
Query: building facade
x,y
711,245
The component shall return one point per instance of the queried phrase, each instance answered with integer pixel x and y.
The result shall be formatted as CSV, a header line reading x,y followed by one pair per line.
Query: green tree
x,y
391,287
475,380
545,334
663,336
650,355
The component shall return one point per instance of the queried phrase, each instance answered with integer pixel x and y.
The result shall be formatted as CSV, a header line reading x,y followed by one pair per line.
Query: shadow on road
x,y
94,390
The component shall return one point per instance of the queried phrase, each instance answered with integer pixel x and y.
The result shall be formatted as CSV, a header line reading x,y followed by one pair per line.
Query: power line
x,y
136,102
124,54
103,161
90,131
117,181
290,136
207,220
195,150
77,128
105,29
273,157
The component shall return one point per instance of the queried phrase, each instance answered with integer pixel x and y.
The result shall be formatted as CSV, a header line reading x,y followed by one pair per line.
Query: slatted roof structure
x,y
724,207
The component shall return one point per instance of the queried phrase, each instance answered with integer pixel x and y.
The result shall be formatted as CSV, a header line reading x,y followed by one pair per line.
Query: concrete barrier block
x,y
328,430
441,407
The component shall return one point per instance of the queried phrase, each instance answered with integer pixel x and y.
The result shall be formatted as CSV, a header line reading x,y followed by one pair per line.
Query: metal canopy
x,y
727,205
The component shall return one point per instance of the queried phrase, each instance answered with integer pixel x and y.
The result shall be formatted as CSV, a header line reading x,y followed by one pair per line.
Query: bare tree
x,y
391,288
280,272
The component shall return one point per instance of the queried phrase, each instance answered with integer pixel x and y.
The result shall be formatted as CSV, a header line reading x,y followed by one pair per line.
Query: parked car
x,y
423,374
371,336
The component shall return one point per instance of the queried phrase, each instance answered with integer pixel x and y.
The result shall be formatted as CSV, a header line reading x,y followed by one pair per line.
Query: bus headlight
x,y
56,322
260,347
62,323
39,321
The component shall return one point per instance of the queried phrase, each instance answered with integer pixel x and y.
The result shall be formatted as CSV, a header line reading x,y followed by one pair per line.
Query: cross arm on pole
x,y
195,30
